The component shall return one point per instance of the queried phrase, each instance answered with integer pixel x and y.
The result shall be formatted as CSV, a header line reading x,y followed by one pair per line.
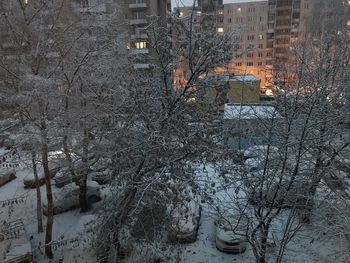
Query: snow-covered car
x,y
7,175
64,176
29,180
67,198
14,243
230,234
282,195
185,219
102,177
100,171
255,157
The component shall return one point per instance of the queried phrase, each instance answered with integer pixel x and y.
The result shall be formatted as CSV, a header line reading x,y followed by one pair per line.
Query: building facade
x,y
138,15
286,24
248,24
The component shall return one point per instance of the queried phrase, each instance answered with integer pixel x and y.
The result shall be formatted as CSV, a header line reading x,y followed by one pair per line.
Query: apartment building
x,y
247,22
287,23
212,14
139,13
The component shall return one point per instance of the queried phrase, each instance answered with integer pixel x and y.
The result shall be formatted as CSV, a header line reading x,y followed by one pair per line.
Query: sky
x,y
174,3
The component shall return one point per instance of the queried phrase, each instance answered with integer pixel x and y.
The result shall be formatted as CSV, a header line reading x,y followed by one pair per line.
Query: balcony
x,y
138,21
139,36
137,5
142,66
139,51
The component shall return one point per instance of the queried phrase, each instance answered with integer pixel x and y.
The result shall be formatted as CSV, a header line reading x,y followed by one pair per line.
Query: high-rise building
x,y
212,15
139,13
286,24
247,23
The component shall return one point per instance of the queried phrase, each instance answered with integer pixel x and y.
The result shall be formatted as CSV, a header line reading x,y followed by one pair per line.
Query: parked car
x,y
68,197
100,171
65,177
185,219
281,195
29,180
255,157
102,177
7,175
230,234
14,243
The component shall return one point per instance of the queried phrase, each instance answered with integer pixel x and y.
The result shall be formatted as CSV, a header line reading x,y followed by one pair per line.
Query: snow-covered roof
x,y
250,111
244,78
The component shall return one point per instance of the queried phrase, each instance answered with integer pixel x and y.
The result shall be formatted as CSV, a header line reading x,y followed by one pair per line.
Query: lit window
x,y
141,44
220,30
239,9
261,37
181,14
221,12
348,23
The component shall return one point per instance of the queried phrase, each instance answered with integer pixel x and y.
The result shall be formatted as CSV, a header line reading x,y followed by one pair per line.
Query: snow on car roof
x,y
249,111
18,251
244,78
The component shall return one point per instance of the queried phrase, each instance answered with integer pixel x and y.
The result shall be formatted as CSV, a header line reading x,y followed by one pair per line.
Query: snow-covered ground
x,y
313,243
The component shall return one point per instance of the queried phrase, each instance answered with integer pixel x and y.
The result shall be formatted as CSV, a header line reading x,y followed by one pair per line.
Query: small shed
x,y
243,89
246,125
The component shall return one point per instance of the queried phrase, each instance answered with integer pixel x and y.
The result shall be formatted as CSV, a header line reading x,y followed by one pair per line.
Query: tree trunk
x,y
84,206
65,138
49,225
68,157
38,194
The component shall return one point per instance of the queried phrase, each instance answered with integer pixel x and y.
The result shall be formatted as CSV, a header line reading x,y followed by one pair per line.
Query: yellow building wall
x,y
244,92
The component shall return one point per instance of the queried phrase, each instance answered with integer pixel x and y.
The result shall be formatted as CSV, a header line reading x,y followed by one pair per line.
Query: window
x,y
260,63
229,20
139,15
181,14
239,19
221,12
250,64
239,9
260,45
250,37
239,64
296,15
269,54
250,55
83,3
269,44
251,9
239,56
261,37
260,54
252,19
237,46
141,44
271,17
220,30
